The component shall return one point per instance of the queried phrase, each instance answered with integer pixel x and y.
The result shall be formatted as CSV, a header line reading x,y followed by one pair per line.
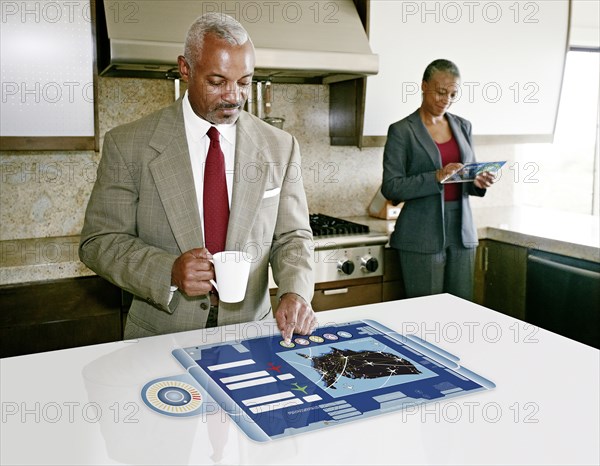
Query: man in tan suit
x,y
143,229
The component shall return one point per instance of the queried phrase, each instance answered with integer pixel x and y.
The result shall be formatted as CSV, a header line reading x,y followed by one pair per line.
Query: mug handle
x,y
213,282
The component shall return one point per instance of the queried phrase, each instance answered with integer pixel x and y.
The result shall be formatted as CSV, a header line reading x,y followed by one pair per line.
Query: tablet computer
x,y
470,170
341,373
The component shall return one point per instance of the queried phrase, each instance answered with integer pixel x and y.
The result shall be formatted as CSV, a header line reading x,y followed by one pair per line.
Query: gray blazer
x,y
410,160
143,214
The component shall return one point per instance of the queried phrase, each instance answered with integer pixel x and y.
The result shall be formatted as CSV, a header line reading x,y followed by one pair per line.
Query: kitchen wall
x,y
44,194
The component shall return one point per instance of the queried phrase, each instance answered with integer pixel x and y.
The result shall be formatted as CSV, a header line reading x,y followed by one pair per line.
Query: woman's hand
x,y
484,180
448,170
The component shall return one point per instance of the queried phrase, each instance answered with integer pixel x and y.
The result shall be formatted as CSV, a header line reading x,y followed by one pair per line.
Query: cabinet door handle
x,y
577,271
485,258
337,291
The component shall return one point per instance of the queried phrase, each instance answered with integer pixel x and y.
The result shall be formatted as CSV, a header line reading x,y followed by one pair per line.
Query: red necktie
x,y
216,201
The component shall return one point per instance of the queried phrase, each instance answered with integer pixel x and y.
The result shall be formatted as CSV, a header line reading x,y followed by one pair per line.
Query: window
x,y
564,174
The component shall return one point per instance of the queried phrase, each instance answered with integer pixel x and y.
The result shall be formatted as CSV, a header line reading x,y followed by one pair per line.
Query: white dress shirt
x,y
198,143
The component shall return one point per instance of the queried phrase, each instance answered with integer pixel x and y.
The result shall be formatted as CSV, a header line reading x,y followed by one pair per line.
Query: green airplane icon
x,y
299,388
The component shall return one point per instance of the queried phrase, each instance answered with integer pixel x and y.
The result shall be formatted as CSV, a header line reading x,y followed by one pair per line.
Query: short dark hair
x,y
440,65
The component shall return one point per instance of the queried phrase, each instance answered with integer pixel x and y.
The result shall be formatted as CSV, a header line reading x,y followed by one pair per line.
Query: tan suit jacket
x,y
143,214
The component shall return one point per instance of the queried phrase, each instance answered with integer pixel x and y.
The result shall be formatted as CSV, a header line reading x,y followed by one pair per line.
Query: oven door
x,y
347,293
343,293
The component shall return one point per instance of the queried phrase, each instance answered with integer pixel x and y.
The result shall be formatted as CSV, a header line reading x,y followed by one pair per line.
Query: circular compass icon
x,y
173,397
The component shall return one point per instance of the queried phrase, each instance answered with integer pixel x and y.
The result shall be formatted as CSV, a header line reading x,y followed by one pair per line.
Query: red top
x,y
450,154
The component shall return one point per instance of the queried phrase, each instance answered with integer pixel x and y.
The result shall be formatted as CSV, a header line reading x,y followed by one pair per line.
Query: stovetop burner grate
x,y
324,225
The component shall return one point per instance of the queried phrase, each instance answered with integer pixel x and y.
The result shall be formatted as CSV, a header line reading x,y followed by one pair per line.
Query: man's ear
x,y
184,68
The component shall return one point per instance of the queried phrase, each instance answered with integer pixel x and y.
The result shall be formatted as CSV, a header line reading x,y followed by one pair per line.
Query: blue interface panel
x,y
341,373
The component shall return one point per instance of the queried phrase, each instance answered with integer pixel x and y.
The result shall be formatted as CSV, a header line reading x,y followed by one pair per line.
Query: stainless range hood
x,y
317,41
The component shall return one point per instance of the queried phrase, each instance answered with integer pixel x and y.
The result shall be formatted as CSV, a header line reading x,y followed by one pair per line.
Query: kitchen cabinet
x,y
498,78
347,99
346,109
58,314
48,79
563,296
552,291
393,284
501,277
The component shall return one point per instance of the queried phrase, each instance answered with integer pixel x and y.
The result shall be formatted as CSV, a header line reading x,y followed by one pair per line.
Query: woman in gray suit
x,y
434,234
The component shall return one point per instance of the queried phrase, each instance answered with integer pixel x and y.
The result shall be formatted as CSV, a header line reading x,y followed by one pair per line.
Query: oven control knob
x,y
345,266
369,263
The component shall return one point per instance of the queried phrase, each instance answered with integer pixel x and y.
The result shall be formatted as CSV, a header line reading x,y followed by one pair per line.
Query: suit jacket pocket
x,y
263,228
271,193
270,198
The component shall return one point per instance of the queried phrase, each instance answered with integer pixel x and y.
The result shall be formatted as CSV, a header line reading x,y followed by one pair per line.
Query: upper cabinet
x,y
585,24
47,75
511,55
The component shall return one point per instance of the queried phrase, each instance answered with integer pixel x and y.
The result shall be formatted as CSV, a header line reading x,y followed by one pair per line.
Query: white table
x,y
83,405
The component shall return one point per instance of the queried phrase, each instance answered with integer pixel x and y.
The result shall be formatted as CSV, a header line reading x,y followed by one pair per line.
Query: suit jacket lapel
x,y
425,139
461,140
463,145
250,177
172,173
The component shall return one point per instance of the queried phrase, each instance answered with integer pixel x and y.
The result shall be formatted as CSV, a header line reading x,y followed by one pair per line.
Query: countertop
x,y
83,406
559,232
555,231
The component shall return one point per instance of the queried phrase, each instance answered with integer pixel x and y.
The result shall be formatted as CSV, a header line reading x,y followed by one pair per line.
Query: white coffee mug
x,y
232,269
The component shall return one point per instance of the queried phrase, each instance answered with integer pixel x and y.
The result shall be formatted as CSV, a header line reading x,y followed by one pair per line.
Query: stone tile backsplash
x,y
44,194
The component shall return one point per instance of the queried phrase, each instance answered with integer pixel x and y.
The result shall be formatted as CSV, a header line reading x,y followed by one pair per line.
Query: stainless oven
x,y
348,263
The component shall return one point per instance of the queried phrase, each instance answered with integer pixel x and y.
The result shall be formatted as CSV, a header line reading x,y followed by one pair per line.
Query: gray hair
x,y
440,65
222,25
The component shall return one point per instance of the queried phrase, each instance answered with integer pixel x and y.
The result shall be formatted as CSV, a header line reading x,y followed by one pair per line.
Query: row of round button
x,y
315,339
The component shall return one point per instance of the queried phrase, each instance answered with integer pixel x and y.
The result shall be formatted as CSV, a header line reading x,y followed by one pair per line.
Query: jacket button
x,y
204,306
